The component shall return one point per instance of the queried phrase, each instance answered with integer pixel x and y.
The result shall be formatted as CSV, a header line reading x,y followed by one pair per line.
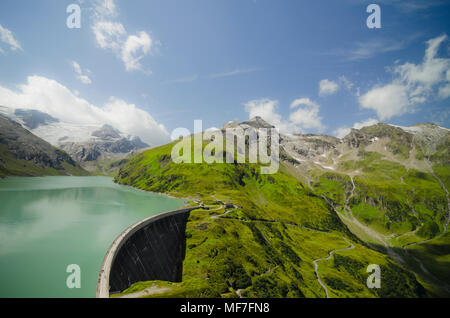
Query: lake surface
x,y
49,223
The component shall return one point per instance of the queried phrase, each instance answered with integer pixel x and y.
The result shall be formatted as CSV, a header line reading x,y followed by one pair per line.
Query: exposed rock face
x,y
138,143
356,138
230,124
326,152
366,135
108,142
90,151
107,132
82,152
34,118
257,122
431,137
309,146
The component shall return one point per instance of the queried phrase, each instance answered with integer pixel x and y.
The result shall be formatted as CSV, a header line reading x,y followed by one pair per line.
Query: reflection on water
x,y
51,222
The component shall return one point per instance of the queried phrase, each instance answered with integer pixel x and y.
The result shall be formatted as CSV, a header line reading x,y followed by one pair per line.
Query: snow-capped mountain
x,y
84,143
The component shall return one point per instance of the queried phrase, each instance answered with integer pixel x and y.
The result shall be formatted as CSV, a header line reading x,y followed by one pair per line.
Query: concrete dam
x,y
152,249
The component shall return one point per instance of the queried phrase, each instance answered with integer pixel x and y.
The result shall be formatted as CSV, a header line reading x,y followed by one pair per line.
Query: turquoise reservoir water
x,y
49,223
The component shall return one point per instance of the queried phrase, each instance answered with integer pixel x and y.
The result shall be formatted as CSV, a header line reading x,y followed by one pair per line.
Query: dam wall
x,y
152,249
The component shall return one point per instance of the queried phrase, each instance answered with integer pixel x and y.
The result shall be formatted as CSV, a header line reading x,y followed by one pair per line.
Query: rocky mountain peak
x,y
32,118
107,132
257,122
230,124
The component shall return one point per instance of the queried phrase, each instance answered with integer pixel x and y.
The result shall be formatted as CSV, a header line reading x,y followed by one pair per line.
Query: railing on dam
x,y
152,249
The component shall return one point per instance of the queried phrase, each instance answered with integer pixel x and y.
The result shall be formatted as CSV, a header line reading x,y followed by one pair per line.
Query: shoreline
x,y
96,176
148,191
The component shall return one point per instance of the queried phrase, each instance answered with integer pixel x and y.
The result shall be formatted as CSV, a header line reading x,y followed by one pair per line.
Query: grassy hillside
x,y
399,210
10,166
387,197
267,246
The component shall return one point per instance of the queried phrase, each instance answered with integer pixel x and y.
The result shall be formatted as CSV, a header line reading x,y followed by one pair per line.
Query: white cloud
x,y
235,72
81,77
387,101
105,9
347,84
53,98
7,37
413,84
212,129
305,117
106,31
344,131
76,67
130,51
444,91
109,35
327,87
363,50
367,50
431,71
341,132
84,79
266,109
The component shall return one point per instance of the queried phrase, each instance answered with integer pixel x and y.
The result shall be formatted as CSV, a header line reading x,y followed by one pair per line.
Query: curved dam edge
x,y
103,284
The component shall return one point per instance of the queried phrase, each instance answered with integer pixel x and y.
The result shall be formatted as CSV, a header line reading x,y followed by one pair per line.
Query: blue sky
x,y
148,67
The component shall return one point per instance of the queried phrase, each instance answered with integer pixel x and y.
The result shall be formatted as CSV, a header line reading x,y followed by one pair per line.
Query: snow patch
x,y
409,129
298,159
326,167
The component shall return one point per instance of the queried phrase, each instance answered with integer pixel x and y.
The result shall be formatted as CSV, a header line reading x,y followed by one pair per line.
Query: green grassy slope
x,y
10,166
389,198
265,248
407,208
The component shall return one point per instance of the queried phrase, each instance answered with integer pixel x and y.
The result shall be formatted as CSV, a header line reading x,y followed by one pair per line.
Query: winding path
x,y
349,197
146,292
316,266
385,240
221,215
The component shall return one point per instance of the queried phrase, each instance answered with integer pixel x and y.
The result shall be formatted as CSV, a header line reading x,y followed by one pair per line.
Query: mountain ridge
x,y
375,187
